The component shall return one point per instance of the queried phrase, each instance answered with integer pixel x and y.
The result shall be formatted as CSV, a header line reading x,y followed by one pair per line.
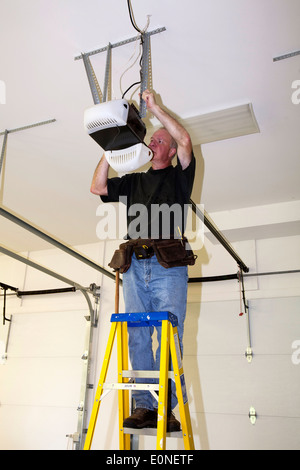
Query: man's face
x,y
160,145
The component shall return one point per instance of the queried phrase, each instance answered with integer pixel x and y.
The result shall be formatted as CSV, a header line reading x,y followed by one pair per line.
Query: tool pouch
x,y
121,259
173,253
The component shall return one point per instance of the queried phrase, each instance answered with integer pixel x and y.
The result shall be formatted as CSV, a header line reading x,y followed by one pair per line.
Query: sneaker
x,y
141,418
173,424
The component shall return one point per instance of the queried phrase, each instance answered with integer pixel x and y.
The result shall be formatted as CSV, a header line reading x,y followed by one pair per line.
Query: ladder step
x,y
151,432
130,386
144,318
149,374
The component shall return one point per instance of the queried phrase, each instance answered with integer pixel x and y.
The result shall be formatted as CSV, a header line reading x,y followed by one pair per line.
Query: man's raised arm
x,y
175,129
99,182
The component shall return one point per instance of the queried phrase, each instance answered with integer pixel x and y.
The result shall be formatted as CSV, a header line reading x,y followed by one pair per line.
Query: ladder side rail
x,y
123,394
97,401
163,386
181,391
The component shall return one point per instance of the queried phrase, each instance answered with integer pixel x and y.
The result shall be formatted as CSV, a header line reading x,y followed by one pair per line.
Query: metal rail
x,y
16,220
219,236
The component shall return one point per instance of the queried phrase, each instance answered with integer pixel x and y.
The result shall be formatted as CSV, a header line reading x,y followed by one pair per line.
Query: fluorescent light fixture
x,y
220,125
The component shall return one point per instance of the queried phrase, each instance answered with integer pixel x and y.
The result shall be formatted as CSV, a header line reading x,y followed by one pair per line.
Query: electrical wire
x,y
130,66
131,15
142,33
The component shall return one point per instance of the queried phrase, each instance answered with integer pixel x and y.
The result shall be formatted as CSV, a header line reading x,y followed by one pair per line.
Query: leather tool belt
x,y
169,253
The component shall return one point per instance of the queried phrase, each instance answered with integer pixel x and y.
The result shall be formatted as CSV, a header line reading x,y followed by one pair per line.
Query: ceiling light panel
x,y
224,124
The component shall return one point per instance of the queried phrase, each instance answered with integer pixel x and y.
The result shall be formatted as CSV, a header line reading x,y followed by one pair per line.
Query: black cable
x,y
136,83
228,277
46,292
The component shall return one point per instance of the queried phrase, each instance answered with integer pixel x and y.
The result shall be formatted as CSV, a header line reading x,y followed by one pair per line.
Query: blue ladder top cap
x,y
144,318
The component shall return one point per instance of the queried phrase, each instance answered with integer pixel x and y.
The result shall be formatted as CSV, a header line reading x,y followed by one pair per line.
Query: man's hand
x,y
149,99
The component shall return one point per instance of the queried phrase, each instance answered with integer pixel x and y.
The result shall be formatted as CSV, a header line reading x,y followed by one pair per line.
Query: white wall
x,y
40,381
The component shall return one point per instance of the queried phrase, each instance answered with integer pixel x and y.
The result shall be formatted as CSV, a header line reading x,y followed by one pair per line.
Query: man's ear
x,y
172,152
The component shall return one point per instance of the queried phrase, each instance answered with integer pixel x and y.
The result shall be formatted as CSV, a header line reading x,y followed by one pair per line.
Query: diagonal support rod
x,y
92,79
107,74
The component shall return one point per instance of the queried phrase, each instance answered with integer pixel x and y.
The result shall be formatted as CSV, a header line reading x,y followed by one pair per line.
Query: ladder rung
x,y
149,374
130,386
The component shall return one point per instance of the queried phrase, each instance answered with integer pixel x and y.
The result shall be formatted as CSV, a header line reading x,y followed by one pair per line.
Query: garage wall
x,y
41,378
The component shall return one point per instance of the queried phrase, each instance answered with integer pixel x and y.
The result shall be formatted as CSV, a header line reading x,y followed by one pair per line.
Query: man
x,y
147,284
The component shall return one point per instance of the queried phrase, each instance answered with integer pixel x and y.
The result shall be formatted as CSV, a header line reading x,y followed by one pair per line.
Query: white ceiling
x,y
213,55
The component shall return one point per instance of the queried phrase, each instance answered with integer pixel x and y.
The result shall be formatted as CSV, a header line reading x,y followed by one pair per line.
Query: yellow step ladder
x,y
169,345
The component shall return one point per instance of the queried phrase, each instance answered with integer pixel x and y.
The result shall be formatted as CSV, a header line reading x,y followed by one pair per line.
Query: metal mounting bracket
x,y
249,355
145,68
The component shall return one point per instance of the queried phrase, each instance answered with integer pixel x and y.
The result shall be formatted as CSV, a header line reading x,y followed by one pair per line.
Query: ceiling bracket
x,y
121,43
145,69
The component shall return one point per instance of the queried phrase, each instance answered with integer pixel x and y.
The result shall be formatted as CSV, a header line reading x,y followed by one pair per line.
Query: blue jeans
x,y
149,287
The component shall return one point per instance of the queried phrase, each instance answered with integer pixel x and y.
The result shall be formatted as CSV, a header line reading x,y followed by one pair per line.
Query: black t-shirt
x,y
157,200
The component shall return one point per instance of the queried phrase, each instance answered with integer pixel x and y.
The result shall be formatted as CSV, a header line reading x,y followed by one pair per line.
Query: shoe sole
x,y
151,426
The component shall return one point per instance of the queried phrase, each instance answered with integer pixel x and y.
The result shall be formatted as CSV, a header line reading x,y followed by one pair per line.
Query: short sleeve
x,y
186,177
117,187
